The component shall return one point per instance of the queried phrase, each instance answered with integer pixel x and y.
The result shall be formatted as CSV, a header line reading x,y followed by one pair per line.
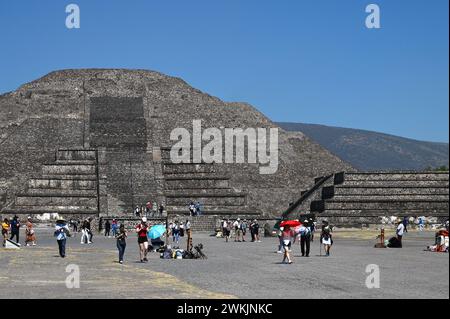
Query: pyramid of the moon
x,y
99,141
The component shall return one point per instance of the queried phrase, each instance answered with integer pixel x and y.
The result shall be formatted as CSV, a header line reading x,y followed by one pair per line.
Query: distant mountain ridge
x,y
370,151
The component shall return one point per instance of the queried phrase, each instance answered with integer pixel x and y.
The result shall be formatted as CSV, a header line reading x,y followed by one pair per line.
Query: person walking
x,y
176,233
326,238
141,231
121,242
287,242
305,238
405,223
280,239
85,232
30,236
237,229
61,233
188,234
114,227
161,210
5,230
400,231
15,228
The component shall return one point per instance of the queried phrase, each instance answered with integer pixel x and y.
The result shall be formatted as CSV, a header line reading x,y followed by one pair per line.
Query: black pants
x,y
15,233
107,232
62,247
305,241
121,245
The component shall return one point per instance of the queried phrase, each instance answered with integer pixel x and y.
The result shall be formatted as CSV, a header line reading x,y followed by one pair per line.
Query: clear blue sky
x,y
295,60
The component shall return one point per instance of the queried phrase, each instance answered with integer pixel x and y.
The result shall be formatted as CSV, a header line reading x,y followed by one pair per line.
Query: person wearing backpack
x,y
61,233
305,238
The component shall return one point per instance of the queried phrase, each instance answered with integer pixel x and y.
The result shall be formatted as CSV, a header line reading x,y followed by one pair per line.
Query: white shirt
x,y
400,229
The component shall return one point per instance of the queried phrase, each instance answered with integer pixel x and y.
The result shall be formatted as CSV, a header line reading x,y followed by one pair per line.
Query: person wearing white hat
x,y
141,231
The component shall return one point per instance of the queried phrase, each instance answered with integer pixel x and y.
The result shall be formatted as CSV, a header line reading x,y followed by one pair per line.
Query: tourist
x,y
114,227
61,233
107,228
148,208
137,211
305,238
30,236
405,223
176,233
191,207
326,238
400,231
280,239
5,230
141,231
312,226
181,229
15,227
198,210
244,229
85,232
188,234
287,242
255,230
121,242
161,210
421,223
237,229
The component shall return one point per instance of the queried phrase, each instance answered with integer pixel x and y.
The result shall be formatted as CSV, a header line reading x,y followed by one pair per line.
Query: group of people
x,y
178,229
195,209
150,209
304,234
239,228
11,229
111,228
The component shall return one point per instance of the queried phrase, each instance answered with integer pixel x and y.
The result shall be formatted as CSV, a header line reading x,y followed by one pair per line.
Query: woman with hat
x,y
141,231
61,233
29,232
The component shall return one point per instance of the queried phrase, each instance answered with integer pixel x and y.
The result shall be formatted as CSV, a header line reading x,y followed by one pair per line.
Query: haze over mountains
x,y
368,150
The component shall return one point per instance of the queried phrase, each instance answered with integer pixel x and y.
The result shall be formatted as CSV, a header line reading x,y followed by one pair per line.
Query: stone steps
x,y
396,176
388,205
391,197
188,168
390,183
45,192
355,213
66,186
203,183
62,184
410,190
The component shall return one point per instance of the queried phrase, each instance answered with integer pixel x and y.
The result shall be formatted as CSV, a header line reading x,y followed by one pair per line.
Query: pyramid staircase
x,y
202,182
69,185
372,194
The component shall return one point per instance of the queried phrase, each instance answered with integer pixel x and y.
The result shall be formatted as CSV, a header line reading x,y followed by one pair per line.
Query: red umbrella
x,y
290,223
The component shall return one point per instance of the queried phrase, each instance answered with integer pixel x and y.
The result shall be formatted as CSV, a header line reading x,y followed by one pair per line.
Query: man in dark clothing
x,y
107,228
405,223
305,238
15,227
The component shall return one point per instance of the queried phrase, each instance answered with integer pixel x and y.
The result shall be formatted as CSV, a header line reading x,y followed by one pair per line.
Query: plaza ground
x,y
232,270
